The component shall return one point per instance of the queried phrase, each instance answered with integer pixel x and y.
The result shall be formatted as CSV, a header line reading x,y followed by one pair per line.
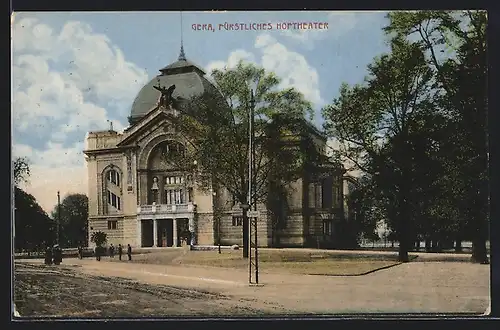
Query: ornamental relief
x,y
151,130
130,187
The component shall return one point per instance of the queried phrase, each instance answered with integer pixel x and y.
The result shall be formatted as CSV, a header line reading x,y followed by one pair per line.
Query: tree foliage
x,y
99,238
73,220
374,120
216,126
456,49
33,227
21,170
417,128
363,208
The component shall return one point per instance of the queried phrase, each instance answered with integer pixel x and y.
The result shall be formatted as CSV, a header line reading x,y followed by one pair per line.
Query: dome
x,y
187,77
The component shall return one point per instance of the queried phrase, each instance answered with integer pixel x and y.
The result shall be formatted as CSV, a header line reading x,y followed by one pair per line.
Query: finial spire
x,y
182,56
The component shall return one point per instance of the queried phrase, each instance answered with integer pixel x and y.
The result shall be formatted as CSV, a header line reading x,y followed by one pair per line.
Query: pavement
x,y
415,287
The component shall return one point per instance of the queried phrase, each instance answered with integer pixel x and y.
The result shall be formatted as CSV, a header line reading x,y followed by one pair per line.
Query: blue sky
x,y
72,72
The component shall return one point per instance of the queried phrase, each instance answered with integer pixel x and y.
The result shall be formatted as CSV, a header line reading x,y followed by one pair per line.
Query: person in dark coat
x,y
57,254
48,256
120,251
97,252
80,252
129,252
111,251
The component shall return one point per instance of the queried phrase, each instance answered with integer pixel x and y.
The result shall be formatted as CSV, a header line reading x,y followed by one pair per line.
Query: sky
x,y
73,72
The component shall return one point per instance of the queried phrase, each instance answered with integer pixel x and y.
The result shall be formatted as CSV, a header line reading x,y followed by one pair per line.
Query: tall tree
x,y
364,210
74,220
456,48
21,170
33,227
218,130
373,122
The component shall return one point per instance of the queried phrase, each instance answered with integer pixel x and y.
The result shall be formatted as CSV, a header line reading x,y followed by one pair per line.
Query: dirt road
x,y
423,287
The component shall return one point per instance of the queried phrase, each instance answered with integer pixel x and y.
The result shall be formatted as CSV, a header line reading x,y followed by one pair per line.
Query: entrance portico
x,y
165,225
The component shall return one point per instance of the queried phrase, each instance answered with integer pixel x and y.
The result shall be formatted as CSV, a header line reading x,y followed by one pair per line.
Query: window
x,y
114,177
327,193
112,224
237,221
181,196
113,200
327,227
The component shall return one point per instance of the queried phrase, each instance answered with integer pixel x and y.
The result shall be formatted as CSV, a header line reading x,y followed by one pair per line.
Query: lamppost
x,y
191,220
58,216
217,216
252,193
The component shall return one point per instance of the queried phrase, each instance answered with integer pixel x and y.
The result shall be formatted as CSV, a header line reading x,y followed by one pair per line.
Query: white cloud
x,y
273,56
233,59
339,24
67,81
292,67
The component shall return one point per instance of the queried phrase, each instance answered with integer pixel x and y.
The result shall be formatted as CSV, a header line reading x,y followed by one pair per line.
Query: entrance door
x,y
164,237
147,233
165,234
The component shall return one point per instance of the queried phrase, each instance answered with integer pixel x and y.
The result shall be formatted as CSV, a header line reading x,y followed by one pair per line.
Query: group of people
x,y
53,255
100,251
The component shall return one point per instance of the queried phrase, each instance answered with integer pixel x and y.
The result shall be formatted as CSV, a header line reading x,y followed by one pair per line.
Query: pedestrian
x,y
129,252
80,252
97,252
48,256
57,254
111,251
120,251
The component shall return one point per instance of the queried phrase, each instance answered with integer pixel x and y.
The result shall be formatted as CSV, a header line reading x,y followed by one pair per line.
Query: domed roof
x,y
187,77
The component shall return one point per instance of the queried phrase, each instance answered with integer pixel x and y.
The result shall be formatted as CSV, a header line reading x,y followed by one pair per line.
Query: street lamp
x,y
252,192
191,220
58,215
216,212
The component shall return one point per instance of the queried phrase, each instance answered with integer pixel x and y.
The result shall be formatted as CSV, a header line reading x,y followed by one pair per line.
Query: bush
x,y
99,238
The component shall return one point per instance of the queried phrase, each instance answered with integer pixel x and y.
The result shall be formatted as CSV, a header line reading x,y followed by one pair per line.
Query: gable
x,y
147,126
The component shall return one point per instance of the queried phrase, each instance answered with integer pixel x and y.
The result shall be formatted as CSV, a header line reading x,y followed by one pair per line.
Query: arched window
x,y
112,191
114,177
173,148
176,191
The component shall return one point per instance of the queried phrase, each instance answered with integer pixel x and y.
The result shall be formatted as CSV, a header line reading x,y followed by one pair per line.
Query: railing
x,y
165,208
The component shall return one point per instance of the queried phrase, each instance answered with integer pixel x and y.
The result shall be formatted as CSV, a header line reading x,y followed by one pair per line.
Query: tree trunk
x,y
427,245
404,237
439,246
479,252
480,223
403,248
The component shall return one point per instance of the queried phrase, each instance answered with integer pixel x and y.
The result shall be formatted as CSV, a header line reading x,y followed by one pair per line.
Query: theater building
x,y
139,199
